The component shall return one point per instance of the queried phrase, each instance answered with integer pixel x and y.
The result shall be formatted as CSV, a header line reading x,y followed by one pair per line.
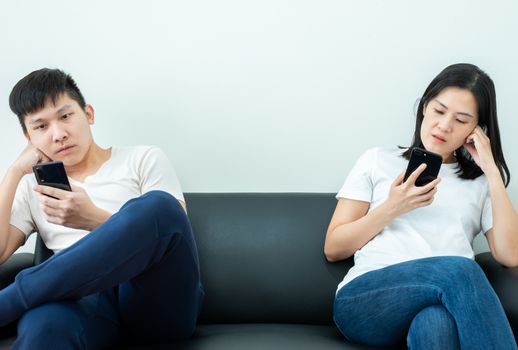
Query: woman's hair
x,y
469,77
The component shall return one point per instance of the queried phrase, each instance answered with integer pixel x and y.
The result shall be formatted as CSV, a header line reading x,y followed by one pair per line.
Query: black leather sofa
x,y
267,283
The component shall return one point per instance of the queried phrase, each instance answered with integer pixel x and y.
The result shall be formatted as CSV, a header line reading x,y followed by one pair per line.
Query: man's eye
x,y
65,116
40,127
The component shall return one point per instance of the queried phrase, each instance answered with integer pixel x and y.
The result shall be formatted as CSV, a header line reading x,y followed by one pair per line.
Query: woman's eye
x,y
439,112
461,121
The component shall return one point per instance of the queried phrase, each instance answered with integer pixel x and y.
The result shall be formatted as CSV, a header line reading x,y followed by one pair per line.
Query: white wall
x,y
258,96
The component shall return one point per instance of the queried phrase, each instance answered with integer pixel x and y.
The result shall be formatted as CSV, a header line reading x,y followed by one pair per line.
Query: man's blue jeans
x,y
135,277
433,303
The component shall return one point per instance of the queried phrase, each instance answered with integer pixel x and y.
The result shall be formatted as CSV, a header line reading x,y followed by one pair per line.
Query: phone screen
x,y
52,174
433,163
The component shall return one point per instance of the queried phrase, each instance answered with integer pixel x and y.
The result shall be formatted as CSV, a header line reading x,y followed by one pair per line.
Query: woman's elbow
x,y
330,257
510,261
333,255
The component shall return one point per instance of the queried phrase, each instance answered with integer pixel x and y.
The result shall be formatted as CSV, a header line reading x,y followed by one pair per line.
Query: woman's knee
x,y
433,328
458,268
50,326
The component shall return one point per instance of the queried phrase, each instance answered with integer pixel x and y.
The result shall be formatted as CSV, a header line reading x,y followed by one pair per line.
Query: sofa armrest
x,y
10,268
505,283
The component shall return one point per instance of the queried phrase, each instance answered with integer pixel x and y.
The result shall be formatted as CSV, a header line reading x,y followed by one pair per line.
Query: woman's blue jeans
x,y
135,278
432,303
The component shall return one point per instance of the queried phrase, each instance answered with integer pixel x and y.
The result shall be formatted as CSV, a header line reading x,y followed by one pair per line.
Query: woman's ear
x,y
424,108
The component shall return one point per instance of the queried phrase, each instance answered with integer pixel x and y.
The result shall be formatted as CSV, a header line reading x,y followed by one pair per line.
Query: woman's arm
x,y
503,236
351,228
352,225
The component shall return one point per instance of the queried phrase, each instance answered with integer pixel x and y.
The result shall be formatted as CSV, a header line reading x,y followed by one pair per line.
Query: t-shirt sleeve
x,y
21,216
486,220
157,173
359,185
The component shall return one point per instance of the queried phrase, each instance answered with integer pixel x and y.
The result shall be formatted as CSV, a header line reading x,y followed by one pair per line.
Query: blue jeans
x,y
135,277
433,303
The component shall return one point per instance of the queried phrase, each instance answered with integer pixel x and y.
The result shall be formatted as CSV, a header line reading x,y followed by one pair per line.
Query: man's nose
x,y
58,133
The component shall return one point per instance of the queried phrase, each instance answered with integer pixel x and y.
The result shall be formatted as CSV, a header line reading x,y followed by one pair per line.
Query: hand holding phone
x,y
433,163
52,174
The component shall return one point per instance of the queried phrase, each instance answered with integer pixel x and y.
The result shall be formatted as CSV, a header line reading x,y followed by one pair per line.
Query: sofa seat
x,y
261,336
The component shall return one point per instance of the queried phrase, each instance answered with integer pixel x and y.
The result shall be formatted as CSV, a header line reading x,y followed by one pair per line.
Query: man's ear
x,y
90,114
26,135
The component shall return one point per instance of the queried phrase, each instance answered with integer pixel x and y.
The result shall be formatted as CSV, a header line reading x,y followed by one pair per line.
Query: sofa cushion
x,y
262,259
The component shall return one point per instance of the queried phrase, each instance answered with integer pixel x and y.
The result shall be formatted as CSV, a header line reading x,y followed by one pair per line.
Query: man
x,y
126,265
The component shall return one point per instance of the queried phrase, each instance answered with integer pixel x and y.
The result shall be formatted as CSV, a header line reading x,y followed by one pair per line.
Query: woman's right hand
x,y
406,196
29,156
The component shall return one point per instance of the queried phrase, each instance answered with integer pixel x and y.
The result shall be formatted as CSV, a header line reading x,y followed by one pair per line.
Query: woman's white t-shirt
x,y
461,209
128,173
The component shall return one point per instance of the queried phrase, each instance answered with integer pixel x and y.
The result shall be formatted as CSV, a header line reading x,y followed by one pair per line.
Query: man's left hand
x,y
71,209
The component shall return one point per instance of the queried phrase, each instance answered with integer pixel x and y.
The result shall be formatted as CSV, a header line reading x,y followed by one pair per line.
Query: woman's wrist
x,y
389,210
492,172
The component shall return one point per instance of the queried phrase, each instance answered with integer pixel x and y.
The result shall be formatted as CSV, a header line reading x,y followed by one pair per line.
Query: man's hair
x,y
45,85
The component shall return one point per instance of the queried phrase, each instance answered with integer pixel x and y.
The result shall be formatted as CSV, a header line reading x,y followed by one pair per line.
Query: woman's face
x,y
449,118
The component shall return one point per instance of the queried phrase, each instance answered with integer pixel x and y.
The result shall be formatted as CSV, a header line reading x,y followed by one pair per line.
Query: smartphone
x,y
433,163
52,174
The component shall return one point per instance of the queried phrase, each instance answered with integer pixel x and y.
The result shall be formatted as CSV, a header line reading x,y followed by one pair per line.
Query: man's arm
x,y
10,237
15,239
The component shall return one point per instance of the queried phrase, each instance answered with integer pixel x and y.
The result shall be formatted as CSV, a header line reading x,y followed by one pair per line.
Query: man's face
x,y
61,130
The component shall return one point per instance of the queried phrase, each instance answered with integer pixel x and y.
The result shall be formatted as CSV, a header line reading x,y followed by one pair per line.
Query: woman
x,y
414,276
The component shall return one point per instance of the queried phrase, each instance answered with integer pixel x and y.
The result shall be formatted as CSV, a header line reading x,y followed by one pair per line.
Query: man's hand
x,y
71,209
29,156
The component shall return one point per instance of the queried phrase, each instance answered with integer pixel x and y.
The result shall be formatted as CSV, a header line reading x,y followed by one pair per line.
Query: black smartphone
x,y
52,174
433,163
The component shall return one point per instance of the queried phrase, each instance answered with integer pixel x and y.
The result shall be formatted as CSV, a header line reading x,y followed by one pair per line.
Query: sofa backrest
x,y
261,256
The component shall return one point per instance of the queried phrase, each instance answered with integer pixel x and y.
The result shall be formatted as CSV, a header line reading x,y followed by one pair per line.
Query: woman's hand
x,y
479,146
29,157
71,209
406,196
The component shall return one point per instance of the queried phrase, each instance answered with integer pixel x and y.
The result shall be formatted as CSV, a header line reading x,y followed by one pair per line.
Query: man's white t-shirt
x,y
460,210
128,173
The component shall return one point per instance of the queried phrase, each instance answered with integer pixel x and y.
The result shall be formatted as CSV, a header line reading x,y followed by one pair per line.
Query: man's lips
x,y
64,149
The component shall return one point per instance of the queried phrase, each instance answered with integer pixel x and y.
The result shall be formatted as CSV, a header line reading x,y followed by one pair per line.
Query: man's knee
x,y
163,205
433,328
50,326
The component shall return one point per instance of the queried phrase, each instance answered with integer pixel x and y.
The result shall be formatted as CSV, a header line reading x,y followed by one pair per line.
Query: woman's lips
x,y
438,139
